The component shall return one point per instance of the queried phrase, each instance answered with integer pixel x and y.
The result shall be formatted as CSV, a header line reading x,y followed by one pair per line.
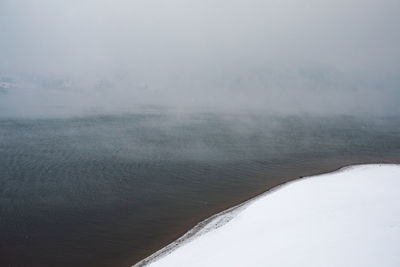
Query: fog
x,y
72,58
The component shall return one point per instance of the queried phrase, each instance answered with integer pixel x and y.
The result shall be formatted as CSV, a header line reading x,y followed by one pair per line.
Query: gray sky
x,y
282,56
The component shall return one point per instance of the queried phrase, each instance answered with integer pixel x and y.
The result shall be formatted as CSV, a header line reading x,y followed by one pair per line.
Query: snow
x,y
350,217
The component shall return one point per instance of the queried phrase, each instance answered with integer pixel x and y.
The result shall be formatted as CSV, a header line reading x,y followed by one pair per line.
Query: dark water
x,y
108,191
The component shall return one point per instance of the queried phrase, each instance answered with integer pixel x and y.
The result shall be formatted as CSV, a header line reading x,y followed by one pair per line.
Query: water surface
x,y
110,190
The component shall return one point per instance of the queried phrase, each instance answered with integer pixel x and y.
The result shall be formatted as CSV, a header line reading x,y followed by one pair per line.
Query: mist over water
x,y
124,123
74,58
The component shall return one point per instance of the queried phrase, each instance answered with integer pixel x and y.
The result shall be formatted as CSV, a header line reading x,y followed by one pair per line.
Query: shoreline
x,y
221,218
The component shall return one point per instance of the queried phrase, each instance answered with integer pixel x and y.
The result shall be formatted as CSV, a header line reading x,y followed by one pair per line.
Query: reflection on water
x,y
107,191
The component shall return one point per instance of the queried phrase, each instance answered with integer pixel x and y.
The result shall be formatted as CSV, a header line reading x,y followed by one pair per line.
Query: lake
x,y
110,190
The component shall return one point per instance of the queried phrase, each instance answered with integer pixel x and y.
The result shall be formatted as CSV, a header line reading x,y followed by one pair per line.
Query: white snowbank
x,y
347,218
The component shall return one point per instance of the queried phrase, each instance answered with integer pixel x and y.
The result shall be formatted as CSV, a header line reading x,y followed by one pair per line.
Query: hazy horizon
x,y
68,58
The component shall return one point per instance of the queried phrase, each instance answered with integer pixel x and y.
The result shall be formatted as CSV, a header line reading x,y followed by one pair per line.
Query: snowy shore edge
x,y
352,185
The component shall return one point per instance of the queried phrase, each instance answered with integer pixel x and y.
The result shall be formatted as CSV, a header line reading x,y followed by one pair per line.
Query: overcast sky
x,y
288,55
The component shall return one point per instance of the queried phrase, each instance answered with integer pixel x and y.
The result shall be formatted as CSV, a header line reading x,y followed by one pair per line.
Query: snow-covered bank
x,y
346,218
